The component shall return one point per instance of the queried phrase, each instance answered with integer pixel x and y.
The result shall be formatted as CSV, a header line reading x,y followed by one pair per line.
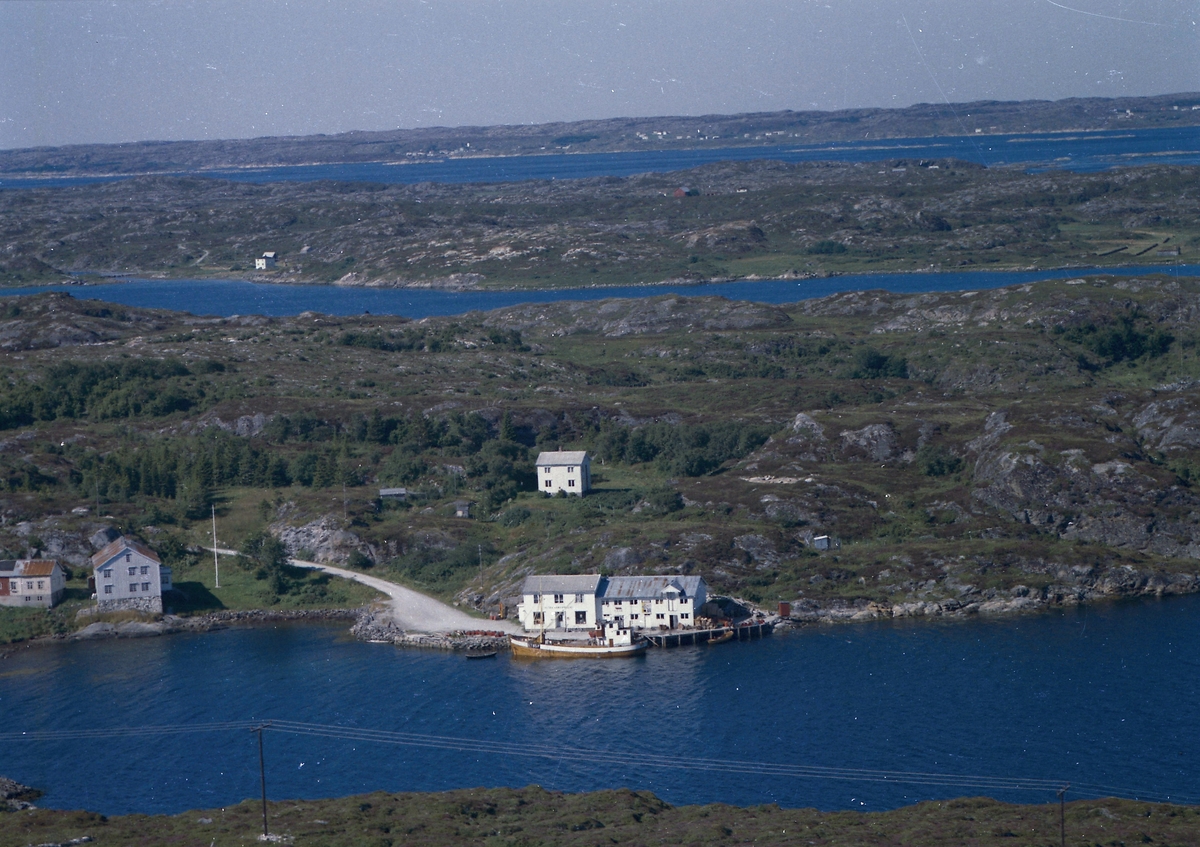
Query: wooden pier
x,y
680,637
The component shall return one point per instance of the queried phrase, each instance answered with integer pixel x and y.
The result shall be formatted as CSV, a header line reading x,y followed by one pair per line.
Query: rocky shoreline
x,y
1077,587
376,628
171,624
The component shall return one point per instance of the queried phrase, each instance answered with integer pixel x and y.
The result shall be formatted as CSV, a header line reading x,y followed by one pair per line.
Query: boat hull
x,y
533,648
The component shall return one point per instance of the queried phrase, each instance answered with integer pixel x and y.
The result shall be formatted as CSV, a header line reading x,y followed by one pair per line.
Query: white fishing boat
x,y
612,642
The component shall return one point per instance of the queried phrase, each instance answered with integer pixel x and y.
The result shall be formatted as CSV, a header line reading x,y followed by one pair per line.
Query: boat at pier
x,y
613,642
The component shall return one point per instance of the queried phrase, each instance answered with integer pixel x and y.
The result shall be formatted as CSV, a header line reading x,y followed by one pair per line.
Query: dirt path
x,y
411,610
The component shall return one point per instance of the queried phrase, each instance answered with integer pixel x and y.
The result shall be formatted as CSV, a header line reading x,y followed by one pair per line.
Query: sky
x,y
84,71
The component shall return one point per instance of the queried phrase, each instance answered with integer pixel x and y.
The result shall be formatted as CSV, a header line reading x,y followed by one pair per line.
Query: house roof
x,y
561,457
270,254
8,565
649,587
40,567
118,547
562,584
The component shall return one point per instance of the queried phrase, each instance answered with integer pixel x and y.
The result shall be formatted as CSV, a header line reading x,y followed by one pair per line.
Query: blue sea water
x,y
1079,151
1102,695
236,297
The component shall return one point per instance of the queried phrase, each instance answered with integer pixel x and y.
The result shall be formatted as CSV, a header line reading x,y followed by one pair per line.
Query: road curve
x,y
411,610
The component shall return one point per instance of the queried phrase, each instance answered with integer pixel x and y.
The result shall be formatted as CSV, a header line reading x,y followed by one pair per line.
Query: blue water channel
x,y
1078,151
236,297
1103,696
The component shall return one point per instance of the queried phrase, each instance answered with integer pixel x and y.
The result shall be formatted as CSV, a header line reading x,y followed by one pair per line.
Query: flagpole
x,y
216,564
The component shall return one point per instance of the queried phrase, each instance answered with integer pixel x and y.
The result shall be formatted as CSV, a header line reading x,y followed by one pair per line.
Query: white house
x,y
559,602
32,582
564,470
653,602
129,575
266,263
590,601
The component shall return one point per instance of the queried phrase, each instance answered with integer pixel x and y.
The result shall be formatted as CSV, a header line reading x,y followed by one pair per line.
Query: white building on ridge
x,y
564,470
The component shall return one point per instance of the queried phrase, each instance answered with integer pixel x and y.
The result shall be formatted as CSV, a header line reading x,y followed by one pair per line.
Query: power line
x,y
612,757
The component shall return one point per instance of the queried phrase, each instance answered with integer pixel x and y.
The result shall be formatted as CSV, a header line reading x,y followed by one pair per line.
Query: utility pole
x,y
216,564
1062,814
262,775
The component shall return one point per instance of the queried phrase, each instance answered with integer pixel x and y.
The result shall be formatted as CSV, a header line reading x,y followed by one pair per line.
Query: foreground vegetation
x,y
532,816
978,451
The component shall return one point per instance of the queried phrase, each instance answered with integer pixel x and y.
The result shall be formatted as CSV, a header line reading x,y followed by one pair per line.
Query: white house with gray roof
x,y
582,602
564,470
559,602
653,602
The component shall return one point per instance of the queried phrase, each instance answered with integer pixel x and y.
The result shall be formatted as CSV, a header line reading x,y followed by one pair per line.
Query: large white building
x,y
129,576
564,470
552,602
559,602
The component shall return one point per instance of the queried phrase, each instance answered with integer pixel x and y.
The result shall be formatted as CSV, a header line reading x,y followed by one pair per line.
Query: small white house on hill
x,y
564,470
130,576
266,262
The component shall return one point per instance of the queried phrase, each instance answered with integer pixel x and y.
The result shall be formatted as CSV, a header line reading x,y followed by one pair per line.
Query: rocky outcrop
x,y
1073,587
323,540
170,624
874,442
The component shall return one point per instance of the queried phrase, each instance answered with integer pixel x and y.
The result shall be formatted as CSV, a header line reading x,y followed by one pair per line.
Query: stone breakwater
x,y
1075,587
375,627
170,624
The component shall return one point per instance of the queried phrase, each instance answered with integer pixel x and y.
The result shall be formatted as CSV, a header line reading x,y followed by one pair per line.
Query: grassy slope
x,y
532,816
1091,469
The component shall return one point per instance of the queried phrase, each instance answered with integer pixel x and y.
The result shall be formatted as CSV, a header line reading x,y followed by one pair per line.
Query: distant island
x,y
613,135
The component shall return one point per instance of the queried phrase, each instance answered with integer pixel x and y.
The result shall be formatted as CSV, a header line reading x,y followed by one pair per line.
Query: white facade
x,y
129,575
564,470
653,602
32,583
587,602
559,602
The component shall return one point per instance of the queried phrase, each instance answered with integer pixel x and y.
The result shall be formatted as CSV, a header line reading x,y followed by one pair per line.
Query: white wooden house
x,y
589,601
550,602
653,602
32,582
130,576
564,470
266,262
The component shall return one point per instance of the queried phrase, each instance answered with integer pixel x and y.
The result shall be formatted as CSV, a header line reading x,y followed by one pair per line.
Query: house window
x,y
546,470
633,617
537,598
549,483
41,584
581,617
29,585
578,598
145,586
558,598
685,616
129,557
145,569
570,470
132,587
108,589
28,598
537,617
132,570
659,616
106,573
570,483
